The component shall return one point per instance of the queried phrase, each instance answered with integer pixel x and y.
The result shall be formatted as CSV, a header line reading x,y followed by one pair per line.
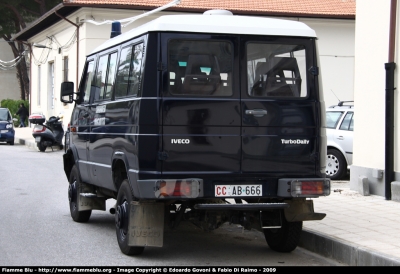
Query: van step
x,y
252,206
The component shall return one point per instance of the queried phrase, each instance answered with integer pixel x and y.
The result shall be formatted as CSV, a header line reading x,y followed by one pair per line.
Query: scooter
x,y
47,134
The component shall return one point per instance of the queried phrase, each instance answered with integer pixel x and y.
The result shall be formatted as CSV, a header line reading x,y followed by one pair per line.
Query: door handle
x,y
256,112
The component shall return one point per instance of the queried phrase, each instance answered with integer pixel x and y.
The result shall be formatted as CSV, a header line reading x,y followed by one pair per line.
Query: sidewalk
x,y
357,230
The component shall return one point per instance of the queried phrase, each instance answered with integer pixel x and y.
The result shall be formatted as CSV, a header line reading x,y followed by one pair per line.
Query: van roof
x,y
227,24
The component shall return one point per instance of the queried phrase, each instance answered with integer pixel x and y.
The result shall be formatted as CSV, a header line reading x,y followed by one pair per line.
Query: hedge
x,y
13,106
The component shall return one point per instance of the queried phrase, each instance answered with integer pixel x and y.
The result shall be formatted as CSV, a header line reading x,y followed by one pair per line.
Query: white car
x,y
339,131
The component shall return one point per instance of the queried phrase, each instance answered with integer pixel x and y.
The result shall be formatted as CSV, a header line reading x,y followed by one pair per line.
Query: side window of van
x,y
200,68
105,75
88,79
276,70
129,71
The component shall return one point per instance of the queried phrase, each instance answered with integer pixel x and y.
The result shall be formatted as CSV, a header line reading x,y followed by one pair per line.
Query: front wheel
x,y
286,238
124,200
74,188
336,165
41,146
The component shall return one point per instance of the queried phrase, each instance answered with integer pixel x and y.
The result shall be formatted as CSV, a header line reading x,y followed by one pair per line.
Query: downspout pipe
x,y
389,103
77,43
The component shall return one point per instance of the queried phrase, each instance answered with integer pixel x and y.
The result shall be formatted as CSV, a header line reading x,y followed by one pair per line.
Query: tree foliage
x,y
15,15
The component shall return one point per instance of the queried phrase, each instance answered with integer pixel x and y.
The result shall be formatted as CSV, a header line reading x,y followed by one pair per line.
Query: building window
x,y
39,85
51,86
65,69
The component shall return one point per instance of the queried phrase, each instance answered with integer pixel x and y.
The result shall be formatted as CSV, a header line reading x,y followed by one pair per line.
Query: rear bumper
x,y
197,188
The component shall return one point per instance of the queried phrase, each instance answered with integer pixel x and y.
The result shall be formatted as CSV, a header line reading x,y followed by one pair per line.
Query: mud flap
x,y
302,210
146,224
89,201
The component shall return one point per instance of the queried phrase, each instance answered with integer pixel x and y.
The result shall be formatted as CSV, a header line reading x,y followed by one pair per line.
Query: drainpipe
x,y
77,44
389,104
30,82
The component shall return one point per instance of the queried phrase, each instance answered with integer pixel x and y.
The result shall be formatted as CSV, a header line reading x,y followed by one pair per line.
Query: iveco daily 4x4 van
x,y
206,118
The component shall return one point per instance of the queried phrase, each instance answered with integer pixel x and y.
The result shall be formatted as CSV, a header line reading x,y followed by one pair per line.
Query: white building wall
x,y
90,36
336,49
9,88
372,43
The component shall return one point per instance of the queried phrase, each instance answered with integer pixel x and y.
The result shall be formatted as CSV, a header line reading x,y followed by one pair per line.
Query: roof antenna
x,y
335,95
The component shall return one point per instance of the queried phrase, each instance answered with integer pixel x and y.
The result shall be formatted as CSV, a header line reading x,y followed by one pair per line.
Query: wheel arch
x,y
119,173
70,158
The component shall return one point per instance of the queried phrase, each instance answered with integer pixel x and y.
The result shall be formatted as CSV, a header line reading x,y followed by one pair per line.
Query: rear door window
x,y
200,68
276,70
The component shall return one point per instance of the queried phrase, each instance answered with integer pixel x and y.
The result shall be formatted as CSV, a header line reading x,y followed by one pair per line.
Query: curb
x,y
30,144
344,252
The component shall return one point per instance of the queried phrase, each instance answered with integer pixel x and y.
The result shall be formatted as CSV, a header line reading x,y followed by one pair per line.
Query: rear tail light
x,y
187,188
38,128
307,188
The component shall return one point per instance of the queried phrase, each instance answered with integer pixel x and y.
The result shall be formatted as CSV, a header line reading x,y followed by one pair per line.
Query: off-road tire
x,y
73,192
286,238
336,166
124,200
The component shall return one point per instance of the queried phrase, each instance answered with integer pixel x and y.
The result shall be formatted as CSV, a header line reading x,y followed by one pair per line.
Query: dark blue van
x,y
201,118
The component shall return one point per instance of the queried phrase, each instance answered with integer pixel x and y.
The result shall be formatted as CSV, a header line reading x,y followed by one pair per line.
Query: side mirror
x,y
67,92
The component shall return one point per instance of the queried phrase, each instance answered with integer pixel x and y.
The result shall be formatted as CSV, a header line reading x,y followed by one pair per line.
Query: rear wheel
x,y
11,142
286,238
336,165
41,146
124,200
73,192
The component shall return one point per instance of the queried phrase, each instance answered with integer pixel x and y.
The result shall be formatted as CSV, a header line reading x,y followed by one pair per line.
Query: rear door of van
x,y
279,106
201,119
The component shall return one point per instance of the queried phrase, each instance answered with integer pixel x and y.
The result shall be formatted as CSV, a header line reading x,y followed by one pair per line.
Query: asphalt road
x,y
36,228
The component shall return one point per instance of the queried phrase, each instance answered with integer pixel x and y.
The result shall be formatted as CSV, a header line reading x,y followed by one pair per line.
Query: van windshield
x,y
276,70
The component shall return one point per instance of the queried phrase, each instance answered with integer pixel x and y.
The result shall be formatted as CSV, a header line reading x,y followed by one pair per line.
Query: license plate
x,y
4,131
37,139
238,190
